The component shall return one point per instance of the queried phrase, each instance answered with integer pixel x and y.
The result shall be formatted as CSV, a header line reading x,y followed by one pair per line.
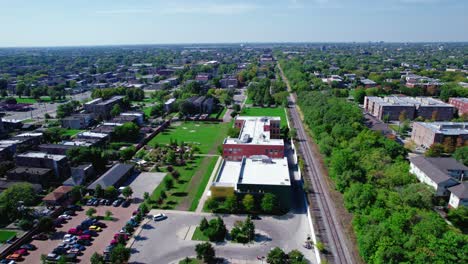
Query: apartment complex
x,y
461,104
101,108
57,163
392,106
451,133
258,136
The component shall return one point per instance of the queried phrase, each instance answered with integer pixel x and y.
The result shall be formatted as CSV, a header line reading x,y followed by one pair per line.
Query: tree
x,y
169,183
120,254
116,110
231,203
127,132
11,197
187,108
127,192
248,202
234,113
45,224
98,191
111,192
156,110
435,150
211,204
203,224
296,257
216,230
269,203
459,217
277,256
233,132
90,212
403,116
205,251
170,157
461,154
146,196
53,135
243,232
127,153
97,258
108,214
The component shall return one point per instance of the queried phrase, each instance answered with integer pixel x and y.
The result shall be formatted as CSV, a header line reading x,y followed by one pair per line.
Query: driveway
x,y
121,216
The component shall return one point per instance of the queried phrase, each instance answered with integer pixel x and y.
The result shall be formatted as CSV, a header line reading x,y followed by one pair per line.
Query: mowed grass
x,y
72,132
198,235
204,135
26,100
266,111
190,261
205,180
5,235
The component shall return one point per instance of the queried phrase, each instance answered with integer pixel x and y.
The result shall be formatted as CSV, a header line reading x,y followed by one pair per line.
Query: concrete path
x,y
208,185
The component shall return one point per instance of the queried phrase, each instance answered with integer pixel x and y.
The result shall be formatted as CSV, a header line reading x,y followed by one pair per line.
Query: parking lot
x,y
144,182
120,214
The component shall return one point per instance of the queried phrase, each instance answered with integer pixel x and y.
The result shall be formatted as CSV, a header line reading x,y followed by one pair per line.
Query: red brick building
x,y
461,104
258,136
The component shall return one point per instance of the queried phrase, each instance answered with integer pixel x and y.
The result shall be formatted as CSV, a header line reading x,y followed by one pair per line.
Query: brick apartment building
x,y
426,134
57,163
461,104
101,108
393,106
258,136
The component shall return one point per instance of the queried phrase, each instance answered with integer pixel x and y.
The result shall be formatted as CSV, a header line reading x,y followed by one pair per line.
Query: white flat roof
x,y
92,134
42,155
253,130
29,135
263,173
259,170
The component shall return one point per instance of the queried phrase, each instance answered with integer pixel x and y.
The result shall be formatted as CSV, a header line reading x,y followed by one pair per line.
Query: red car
x,y
21,251
85,237
114,242
116,236
74,231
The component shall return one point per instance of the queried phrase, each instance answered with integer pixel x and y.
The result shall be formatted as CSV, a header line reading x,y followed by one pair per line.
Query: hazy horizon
x,y
53,23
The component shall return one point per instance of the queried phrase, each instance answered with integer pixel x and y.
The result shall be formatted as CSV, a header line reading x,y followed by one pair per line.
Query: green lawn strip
x,y
26,100
72,132
203,135
191,261
28,121
249,101
147,111
203,183
266,111
6,234
198,235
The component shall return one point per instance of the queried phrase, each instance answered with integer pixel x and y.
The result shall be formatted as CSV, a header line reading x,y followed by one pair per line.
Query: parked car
x,y
13,256
69,213
85,237
95,228
100,224
74,207
70,257
41,236
53,257
90,232
117,203
29,246
108,202
126,203
64,216
84,242
116,236
159,217
75,231
79,247
59,251
73,251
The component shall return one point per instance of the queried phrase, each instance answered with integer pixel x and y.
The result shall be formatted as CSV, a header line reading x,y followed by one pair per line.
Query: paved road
x,y
326,215
40,109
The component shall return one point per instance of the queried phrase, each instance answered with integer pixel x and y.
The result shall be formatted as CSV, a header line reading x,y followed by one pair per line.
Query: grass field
x,y
72,132
204,135
5,235
203,183
266,111
198,235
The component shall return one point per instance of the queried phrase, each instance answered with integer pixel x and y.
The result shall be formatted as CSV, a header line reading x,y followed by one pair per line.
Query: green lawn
x,y
198,235
204,182
6,234
204,135
249,101
147,111
191,261
72,132
266,111
26,100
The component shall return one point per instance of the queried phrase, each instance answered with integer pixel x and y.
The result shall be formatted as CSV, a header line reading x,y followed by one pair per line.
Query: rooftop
x,y
408,101
42,155
92,134
259,170
447,128
253,131
437,168
113,175
460,190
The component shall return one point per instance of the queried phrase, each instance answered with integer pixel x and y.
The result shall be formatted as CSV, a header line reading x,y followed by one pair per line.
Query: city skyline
x,y
123,22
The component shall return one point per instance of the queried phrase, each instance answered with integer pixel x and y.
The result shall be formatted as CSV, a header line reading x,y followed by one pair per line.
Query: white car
x,y
64,216
159,217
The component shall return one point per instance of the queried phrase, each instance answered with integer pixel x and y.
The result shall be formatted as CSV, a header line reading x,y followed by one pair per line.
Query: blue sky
x,y
103,22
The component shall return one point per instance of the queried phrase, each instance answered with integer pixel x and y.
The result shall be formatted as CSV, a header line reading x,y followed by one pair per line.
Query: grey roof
x,y
112,176
460,190
437,168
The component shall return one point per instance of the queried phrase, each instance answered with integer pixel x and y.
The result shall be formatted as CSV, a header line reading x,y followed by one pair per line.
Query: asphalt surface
x,y
325,213
40,109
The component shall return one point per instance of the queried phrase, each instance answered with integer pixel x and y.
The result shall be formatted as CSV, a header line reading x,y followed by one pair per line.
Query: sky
x,y
115,22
